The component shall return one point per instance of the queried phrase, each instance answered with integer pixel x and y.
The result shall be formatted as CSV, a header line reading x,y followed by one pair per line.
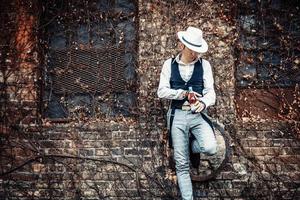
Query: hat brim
x,y
202,49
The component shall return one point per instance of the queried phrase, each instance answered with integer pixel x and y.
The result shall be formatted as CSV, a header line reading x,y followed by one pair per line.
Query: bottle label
x,y
192,98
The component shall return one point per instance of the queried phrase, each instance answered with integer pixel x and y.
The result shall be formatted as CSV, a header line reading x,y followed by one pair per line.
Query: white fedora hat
x,y
192,38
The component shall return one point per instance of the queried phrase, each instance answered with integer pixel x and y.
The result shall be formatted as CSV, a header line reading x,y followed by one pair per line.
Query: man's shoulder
x,y
168,61
205,63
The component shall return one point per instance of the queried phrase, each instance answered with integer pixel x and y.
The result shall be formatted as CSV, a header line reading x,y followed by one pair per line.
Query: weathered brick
x,y
135,151
86,152
102,152
117,151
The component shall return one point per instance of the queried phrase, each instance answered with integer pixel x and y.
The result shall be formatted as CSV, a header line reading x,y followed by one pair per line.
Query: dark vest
x,y
176,82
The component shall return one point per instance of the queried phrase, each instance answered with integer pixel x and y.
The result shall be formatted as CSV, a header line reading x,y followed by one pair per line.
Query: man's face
x,y
189,54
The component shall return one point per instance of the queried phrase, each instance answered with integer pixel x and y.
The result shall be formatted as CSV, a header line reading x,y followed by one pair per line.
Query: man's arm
x,y
209,95
164,88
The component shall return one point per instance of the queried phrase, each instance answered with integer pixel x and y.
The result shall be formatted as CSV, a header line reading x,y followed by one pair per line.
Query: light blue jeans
x,y
183,123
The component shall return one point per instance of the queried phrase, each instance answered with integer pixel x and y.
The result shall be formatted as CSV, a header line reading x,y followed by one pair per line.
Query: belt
x,y
183,107
186,107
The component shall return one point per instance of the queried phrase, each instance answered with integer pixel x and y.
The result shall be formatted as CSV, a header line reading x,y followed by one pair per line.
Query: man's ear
x,y
180,46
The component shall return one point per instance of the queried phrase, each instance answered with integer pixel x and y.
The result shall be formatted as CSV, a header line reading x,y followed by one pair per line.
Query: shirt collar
x,y
177,59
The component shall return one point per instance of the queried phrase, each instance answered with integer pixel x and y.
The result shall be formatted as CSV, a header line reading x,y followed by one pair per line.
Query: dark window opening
x,y
267,70
90,58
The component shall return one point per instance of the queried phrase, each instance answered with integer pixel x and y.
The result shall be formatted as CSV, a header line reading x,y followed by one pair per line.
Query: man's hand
x,y
193,94
198,107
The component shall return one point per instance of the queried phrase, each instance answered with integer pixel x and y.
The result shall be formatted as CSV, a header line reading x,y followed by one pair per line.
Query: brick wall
x,y
126,158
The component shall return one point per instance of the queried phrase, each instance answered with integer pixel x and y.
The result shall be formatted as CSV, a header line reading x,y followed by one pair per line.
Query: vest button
x,y
185,84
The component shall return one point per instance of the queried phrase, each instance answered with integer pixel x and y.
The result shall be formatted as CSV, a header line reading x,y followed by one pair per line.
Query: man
x,y
182,78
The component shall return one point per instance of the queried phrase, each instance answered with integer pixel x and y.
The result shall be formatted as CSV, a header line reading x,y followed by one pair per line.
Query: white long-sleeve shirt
x,y
186,71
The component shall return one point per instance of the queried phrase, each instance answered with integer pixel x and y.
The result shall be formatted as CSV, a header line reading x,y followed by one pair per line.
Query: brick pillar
x,y
23,75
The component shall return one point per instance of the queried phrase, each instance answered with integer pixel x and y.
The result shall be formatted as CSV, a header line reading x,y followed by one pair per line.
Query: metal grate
x,y
88,70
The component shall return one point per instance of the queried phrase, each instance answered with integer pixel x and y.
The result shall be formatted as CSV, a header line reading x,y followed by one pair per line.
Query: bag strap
x,y
170,128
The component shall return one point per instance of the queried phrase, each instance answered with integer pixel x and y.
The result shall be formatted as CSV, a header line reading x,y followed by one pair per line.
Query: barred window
x,y
90,58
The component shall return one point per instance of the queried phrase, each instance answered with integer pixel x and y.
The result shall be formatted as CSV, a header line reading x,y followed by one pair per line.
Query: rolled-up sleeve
x,y
164,88
209,95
